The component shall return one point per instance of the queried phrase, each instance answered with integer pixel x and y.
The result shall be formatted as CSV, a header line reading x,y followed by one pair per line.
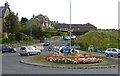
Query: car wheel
x,y
106,54
111,55
28,54
38,53
2,51
21,54
13,51
119,55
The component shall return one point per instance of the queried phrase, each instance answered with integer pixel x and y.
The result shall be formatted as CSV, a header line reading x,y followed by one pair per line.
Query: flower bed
x,y
73,58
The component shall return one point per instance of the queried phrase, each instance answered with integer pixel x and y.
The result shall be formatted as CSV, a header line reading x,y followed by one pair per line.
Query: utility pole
x,y
31,31
70,24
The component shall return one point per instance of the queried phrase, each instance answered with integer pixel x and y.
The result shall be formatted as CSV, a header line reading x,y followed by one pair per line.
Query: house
x,y
4,12
75,27
42,21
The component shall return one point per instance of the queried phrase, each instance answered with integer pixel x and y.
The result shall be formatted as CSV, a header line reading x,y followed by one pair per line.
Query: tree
x,y
23,20
37,32
12,24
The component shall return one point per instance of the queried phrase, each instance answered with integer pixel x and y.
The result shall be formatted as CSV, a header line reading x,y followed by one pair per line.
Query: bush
x,y
48,35
6,40
21,37
65,33
12,37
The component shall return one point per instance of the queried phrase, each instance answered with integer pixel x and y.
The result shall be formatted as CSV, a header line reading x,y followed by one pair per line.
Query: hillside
x,y
99,39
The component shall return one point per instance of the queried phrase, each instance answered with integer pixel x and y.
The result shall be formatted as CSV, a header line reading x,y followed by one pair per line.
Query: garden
x,y
73,58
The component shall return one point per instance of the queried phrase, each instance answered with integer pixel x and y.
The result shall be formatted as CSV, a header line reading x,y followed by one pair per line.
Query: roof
x,y
2,11
73,25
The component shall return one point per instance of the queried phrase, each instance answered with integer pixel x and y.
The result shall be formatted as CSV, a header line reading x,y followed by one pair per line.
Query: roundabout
x,y
75,58
74,61
36,64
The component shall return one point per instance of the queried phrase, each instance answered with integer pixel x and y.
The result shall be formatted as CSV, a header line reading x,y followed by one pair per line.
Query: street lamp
x,y
70,24
31,32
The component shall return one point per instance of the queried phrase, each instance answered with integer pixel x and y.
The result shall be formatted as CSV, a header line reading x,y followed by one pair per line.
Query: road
x,y
11,65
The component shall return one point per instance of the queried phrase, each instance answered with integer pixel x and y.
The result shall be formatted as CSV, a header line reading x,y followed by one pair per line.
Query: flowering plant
x,y
73,59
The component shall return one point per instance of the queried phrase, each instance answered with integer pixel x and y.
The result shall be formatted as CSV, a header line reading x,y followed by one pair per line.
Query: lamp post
x,y
31,35
70,24
31,32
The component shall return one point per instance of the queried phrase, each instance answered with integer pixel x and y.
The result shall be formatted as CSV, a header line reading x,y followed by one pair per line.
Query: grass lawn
x,y
99,40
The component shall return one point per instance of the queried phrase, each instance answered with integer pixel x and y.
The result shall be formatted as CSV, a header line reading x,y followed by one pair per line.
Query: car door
x,y
30,50
5,48
109,51
114,52
33,50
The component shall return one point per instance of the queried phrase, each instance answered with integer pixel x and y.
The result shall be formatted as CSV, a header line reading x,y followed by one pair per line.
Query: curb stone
x,y
43,65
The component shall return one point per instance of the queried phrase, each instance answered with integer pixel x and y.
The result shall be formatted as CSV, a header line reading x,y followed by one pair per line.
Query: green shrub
x,y
6,40
21,37
48,35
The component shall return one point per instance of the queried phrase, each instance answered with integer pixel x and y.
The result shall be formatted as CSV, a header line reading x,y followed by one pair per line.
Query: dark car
x,y
46,44
7,49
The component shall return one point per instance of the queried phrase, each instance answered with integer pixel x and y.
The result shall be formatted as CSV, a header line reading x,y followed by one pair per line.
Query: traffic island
x,y
41,61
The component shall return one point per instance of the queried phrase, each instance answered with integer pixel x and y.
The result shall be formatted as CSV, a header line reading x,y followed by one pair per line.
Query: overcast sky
x,y
101,13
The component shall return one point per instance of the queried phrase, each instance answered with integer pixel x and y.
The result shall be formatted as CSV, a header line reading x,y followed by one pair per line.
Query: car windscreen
x,y
22,48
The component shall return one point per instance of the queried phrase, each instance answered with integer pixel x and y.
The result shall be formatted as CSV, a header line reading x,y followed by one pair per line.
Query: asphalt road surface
x,y
11,65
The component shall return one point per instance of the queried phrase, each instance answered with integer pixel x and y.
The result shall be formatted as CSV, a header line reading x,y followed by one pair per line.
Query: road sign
x,y
65,50
49,49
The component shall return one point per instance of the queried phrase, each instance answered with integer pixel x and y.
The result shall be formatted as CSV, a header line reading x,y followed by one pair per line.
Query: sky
x,y
101,13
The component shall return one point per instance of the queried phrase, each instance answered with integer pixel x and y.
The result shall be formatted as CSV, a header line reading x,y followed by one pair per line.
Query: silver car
x,y
29,50
112,52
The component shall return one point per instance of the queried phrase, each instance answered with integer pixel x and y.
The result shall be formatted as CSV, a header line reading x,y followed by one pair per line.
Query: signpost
x,y
49,49
70,24
65,51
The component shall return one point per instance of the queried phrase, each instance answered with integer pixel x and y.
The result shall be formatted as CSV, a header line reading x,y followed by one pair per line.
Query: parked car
x,y
69,37
73,37
46,44
7,49
66,38
101,51
112,52
29,50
